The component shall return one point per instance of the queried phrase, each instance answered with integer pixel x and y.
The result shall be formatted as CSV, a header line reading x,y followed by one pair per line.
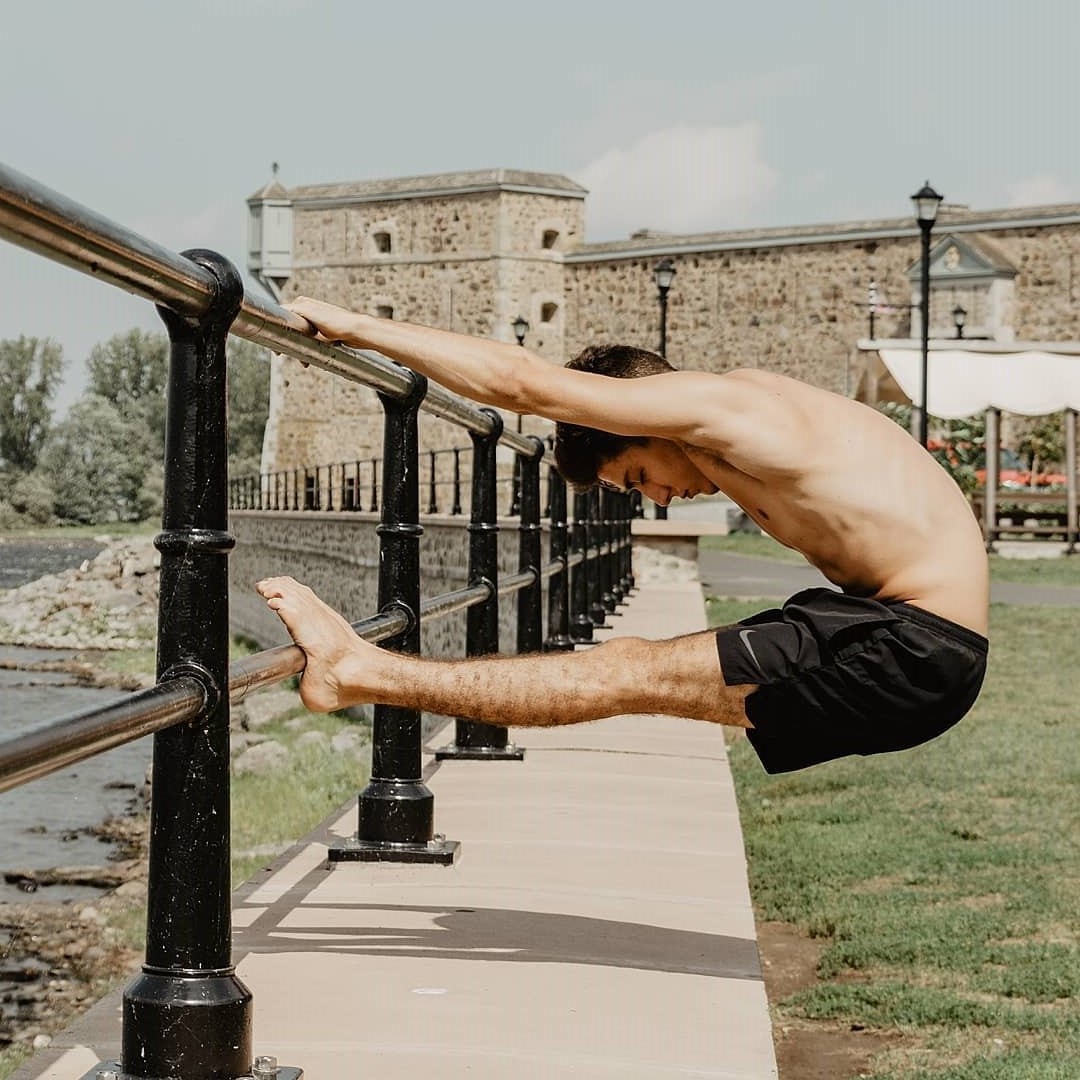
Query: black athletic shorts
x,y
840,675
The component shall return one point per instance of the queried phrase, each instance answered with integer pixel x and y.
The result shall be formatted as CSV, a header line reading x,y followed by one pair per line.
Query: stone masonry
x,y
470,251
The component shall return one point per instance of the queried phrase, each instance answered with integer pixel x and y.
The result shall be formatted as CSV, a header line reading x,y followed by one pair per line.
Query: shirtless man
x,y
893,659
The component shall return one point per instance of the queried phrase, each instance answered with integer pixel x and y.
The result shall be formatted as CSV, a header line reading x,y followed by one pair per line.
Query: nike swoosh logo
x,y
744,637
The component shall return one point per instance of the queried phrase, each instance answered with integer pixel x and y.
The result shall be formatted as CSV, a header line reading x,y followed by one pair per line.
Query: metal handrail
x,y
69,740
186,1013
42,220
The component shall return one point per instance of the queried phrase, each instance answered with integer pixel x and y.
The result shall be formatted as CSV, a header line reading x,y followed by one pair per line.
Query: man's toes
x,y
274,586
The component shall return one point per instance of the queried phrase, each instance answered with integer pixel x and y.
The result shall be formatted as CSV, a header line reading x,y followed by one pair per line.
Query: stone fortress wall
x,y
471,251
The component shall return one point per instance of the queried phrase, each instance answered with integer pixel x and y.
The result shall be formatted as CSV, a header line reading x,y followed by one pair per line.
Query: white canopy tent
x,y
969,377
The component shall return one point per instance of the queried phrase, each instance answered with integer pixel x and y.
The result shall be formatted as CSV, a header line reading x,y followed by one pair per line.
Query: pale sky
x,y
687,115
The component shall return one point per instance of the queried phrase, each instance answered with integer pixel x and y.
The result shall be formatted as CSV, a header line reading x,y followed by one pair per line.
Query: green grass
x,y
83,532
755,544
943,882
278,807
11,1057
1064,570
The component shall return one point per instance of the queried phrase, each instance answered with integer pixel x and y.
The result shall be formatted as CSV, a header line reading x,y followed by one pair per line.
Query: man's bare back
x,y
854,494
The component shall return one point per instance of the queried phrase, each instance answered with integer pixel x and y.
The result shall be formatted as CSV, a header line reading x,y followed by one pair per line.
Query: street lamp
x,y
926,201
959,316
521,328
663,275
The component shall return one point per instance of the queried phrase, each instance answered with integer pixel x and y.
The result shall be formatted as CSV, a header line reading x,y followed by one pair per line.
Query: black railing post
x,y
397,809
472,740
187,1014
595,561
581,626
373,508
456,508
515,488
433,503
606,562
626,563
558,638
613,513
530,627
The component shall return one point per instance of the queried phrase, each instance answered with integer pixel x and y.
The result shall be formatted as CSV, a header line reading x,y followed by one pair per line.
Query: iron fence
x,y
187,1015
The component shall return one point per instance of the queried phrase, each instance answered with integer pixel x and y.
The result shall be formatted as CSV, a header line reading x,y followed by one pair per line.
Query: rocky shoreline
x,y
58,957
107,603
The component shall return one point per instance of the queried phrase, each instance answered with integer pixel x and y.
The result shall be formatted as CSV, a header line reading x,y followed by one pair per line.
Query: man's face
x,y
659,469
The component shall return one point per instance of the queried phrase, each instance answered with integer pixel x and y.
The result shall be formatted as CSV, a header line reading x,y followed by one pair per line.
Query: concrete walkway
x,y
596,925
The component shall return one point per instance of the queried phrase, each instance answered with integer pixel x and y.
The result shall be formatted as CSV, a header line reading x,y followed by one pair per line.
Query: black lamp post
x,y
926,201
663,275
521,328
959,317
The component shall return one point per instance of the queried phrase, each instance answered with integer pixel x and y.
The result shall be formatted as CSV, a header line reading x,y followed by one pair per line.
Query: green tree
x,y
959,446
30,370
249,403
98,463
32,496
1042,442
131,371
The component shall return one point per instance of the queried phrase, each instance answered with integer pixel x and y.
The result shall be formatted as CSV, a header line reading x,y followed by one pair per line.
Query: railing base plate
x,y
111,1070
441,852
453,752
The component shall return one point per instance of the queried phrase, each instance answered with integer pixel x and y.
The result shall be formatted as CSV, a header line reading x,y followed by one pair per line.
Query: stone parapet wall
x,y
337,554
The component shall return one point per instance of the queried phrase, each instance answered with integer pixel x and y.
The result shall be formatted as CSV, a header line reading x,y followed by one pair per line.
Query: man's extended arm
x,y
492,372
707,411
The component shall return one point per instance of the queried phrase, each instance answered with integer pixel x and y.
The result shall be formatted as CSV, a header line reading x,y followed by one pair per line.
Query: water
x,y
23,560
45,821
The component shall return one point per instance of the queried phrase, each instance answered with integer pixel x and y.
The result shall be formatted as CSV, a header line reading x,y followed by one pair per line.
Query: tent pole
x,y
1070,482
993,468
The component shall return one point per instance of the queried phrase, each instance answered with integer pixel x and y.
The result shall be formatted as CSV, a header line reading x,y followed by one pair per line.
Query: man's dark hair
x,y
581,452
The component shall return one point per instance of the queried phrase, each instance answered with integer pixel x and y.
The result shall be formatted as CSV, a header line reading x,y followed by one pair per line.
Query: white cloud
x,y
1041,190
678,179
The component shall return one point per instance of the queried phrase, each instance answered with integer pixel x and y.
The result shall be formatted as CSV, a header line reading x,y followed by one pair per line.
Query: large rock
x,y
265,707
109,602
263,758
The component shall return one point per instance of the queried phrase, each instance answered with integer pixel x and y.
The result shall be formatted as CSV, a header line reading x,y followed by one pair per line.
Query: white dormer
x,y
270,235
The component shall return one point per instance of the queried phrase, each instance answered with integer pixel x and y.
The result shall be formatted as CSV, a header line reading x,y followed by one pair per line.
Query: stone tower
x,y
466,251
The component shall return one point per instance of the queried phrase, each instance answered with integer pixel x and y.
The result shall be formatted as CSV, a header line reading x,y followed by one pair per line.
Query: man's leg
x,y
677,677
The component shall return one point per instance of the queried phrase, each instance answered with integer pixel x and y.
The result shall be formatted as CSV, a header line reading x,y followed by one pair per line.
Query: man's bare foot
x,y
332,677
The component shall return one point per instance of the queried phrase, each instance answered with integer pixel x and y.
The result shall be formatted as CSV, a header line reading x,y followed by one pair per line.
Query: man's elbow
x,y
524,387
